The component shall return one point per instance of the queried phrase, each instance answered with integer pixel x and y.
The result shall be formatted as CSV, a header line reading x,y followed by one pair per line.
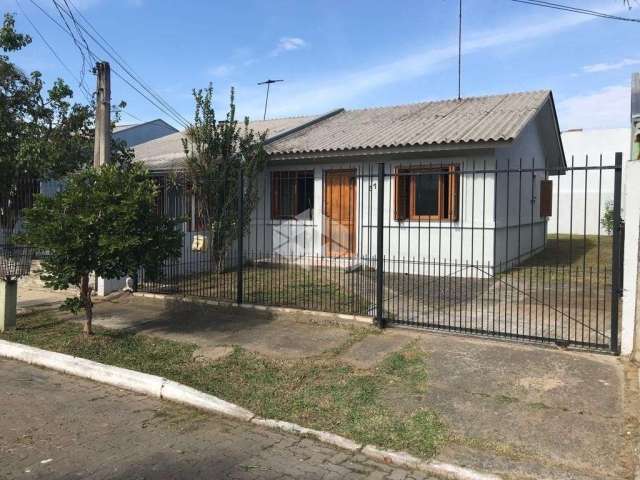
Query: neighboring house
x,y
138,133
587,148
466,183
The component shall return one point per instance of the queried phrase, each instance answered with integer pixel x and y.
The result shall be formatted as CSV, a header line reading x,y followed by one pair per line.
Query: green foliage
x,y
104,221
607,218
44,135
217,152
321,392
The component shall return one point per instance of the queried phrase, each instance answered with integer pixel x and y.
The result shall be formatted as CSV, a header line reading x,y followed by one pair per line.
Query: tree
x,y
216,154
104,221
43,134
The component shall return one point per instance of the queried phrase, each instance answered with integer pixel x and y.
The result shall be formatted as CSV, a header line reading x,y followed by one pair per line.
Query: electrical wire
x,y
584,11
120,61
127,66
92,54
55,54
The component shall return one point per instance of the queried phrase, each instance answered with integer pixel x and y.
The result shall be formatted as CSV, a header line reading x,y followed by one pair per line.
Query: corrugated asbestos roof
x,y
497,118
167,152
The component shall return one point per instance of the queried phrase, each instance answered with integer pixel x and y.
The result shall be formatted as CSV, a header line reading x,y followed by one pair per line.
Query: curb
x,y
162,388
264,308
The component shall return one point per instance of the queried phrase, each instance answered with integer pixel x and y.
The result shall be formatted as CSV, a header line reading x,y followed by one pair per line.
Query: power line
x,y
178,118
130,71
122,110
127,69
55,54
76,41
584,11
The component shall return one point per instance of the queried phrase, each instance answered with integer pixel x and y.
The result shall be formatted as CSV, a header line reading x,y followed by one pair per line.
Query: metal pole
x,y
266,102
616,274
240,285
380,250
460,52
268,83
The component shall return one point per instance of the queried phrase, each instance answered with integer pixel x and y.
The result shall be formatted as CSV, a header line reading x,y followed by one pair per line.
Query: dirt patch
x,y
367,354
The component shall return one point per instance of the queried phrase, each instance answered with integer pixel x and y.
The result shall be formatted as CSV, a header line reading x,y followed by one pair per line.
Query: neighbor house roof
x,y
167,152
136,133
496,118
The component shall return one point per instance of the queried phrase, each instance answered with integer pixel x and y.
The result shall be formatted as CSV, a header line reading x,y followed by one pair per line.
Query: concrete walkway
x,y
32,294
512,409
59,427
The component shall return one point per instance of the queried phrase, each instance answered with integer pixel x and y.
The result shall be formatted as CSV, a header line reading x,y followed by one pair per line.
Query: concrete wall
x,y
630,325
582,211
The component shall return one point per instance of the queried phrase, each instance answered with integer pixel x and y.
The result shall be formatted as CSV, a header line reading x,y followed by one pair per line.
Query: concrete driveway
x,y
515,409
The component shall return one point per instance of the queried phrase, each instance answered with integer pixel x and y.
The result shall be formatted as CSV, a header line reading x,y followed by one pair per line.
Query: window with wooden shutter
x,y
401,208
427,193
546,198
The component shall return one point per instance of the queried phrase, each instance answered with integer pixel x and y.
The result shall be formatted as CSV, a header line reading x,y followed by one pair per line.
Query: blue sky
x,y
352,54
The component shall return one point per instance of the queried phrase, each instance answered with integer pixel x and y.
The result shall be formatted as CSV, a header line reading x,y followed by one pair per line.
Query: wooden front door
x,y
339,213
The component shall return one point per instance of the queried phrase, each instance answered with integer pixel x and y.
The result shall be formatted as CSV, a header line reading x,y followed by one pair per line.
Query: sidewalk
x,y
32,294
511,409
58,426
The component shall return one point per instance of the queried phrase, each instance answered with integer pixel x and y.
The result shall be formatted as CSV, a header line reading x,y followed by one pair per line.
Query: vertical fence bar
x,y
615,260
239,286
380,250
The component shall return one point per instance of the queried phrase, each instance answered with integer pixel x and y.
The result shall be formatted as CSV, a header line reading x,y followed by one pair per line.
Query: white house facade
x,y
464,182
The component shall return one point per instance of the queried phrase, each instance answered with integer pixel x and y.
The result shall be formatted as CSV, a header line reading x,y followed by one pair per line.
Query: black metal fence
x,y
522,249
16,195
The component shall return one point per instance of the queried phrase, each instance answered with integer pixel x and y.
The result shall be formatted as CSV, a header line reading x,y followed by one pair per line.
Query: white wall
x,y
582,211
468,240
520,230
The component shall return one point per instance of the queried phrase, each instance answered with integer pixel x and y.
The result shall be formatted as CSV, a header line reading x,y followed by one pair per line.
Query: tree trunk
x,y
85,297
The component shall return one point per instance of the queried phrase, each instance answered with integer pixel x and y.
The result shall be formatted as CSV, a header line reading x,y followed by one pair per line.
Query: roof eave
x,y
380,151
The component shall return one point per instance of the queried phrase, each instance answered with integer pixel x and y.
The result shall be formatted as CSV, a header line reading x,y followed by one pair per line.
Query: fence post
x,y
239,285
616,271
380,321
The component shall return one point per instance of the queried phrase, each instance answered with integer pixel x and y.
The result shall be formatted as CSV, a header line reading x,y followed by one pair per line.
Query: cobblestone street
x,y
55,426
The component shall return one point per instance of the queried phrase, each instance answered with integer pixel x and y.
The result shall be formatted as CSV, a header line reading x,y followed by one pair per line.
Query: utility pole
x,y
268,84
102,146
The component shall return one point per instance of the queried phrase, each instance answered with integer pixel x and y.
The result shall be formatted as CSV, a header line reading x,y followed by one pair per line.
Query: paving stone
x,y
98,432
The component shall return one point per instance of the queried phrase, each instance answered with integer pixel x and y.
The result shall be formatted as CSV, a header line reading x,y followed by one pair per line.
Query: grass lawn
x,y
577,252
286,284
577,261
320,392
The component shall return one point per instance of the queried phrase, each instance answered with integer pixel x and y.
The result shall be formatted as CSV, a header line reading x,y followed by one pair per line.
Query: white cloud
x,y
221,70
287,44
605,67
606,108
340,87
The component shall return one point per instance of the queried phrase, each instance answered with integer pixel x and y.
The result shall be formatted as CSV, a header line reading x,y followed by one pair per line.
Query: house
x,y
466,184
137,133
582,188
132,134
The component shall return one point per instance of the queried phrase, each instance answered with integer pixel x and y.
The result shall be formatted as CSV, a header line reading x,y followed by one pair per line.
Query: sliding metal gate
x,y
516,250
519,250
